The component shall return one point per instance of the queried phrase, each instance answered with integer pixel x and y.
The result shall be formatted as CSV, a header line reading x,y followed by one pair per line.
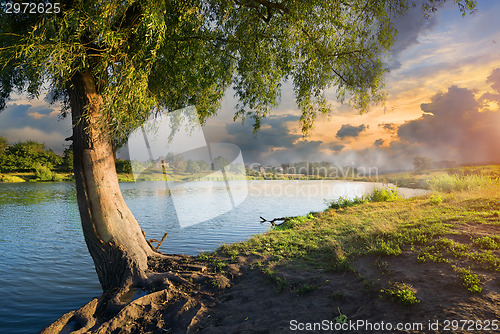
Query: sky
x,y
443,103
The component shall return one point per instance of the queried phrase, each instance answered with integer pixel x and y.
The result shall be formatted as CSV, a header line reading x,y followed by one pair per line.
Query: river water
x,y
46,270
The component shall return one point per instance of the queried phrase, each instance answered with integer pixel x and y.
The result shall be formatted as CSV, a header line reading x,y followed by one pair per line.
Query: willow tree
x,y
114,63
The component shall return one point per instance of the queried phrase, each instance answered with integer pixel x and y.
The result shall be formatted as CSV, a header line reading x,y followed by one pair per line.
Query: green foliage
x,y
342,318
220,163
67,163
436,199
11,178
3,145
43,173
123,166
470,280
279,282
146,56
26,156
401,293
488,242
306,288
378,195
344,202
192,167
384,195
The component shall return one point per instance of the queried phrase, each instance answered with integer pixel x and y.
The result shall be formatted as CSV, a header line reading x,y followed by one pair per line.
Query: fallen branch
x,y
149,241
273,222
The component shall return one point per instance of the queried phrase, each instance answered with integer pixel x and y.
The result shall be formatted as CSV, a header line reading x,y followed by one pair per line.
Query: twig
x,y
149,241
159,243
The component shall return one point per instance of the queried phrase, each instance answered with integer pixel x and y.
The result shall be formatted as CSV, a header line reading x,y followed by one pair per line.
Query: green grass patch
x,y
453,182
488,242
468,279
401,293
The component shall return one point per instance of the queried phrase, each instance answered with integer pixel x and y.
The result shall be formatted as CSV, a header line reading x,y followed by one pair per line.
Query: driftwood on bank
x,y
273,221
149,241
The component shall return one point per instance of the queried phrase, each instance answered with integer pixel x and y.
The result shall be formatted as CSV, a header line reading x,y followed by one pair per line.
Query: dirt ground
x,y
245,300
251,305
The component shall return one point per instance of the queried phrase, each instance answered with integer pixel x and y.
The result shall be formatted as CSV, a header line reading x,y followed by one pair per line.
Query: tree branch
x,y
273,222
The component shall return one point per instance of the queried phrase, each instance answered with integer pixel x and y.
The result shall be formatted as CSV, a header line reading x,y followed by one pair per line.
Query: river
x,y
46,270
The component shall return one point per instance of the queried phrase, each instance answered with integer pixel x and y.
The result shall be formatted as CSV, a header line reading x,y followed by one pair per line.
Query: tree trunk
x,y
113,236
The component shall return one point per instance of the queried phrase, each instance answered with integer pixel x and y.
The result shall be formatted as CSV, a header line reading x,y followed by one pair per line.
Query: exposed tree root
x,y
175,293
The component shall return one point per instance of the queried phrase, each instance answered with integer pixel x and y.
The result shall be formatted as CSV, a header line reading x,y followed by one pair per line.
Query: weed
x,y
306,288
487,242
280,283
342,318
216,283
436,199
204,256
369,286
340,264
219,265
344,202
384,195
401,293
470,280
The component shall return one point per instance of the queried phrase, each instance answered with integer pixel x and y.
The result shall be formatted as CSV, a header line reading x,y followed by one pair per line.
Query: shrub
x,y
344,202
436,199
401,293
43,173
470,280
385,195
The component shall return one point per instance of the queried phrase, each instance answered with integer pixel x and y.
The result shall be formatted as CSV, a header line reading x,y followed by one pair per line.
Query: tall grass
x,y
378,195
449,183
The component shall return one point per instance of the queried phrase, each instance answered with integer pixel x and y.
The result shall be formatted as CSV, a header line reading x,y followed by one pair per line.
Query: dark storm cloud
x,y
273,143
21,122
454,128
348,130
337,147
24,115
409,27
388,126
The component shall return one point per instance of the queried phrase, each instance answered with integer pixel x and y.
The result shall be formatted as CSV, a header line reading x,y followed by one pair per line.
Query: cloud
x,y
409,27
274,143
494,79
337,147
21,121
453,128
378,142
348,130
388,126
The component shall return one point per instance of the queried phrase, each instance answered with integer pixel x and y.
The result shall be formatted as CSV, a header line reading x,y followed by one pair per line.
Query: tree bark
x,y
113,236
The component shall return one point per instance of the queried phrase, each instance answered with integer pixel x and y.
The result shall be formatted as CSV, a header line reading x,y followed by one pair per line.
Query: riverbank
x,y
424,262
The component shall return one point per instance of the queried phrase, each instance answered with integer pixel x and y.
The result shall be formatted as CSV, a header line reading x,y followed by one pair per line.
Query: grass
x,y
422,179
449,183
36,176
401,293
385,225
470,280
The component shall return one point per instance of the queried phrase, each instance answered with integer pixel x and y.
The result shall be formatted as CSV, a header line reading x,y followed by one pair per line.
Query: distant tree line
x,y
31,156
